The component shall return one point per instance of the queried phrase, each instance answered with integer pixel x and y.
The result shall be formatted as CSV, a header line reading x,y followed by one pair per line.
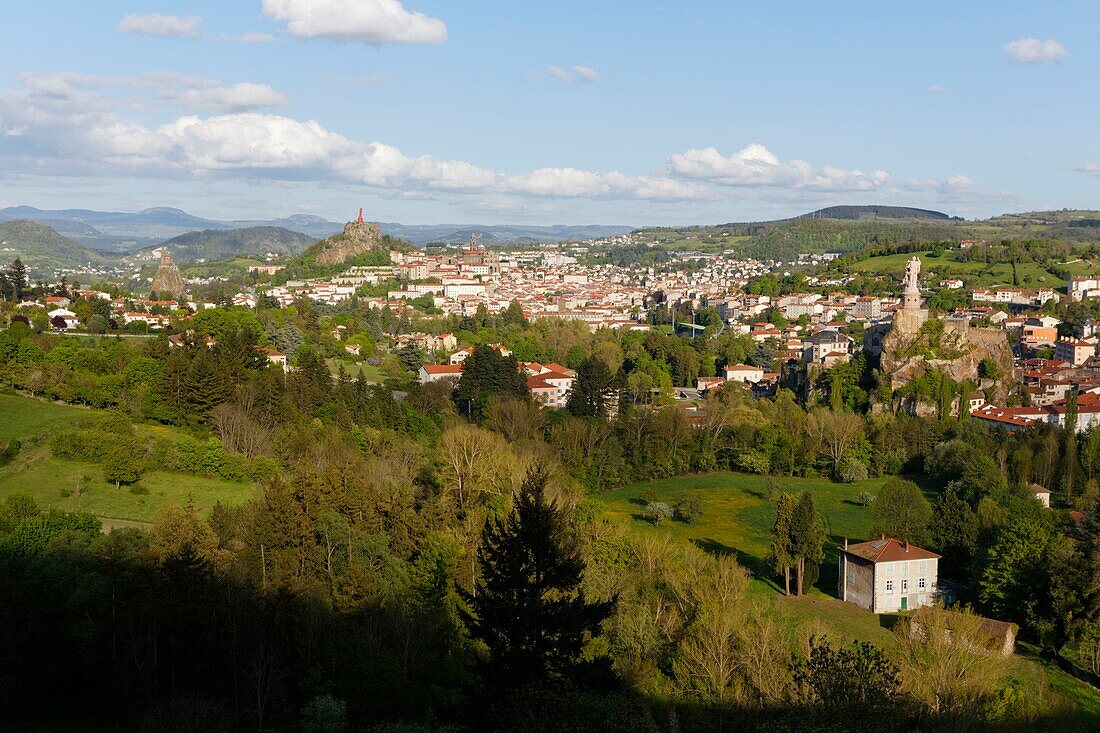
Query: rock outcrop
x,y
358,237
916,345
168,278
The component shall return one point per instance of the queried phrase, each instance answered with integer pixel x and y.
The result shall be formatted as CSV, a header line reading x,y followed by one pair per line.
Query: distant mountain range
x,y
126,232
123,232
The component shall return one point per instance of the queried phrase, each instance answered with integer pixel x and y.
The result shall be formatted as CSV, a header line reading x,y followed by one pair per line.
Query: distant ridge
x,y
855,213
42,249
216,244
130,232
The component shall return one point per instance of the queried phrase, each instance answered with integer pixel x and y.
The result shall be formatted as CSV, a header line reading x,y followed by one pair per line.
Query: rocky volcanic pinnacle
x,y
168,278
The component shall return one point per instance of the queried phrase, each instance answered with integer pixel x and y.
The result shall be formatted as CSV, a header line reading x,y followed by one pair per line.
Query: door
x,y
904,602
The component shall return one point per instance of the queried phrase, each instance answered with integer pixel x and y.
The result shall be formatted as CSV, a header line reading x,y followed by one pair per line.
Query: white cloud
x,y
585,74
365,21
579,74
1034,51
86,125
756,166
238,97
86,92
937,89
1093,169
558,73
573,183
162,26
254,37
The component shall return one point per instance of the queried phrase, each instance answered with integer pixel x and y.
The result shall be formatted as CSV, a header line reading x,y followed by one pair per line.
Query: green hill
x,y
876,212
216,244
42,249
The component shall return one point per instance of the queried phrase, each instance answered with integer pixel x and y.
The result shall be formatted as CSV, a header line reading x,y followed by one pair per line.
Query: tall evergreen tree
x,y
17,278
807,537
782,538
514,316
954,533
527,606
485,373
593,390
1070,463
205,387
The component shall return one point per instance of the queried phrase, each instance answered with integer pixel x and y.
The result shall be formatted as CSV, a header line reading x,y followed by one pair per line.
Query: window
x,y
904,585
889,586
920,584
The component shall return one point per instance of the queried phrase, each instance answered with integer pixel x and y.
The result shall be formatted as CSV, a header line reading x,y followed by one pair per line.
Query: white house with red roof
x,y
743,373
439,372
887,575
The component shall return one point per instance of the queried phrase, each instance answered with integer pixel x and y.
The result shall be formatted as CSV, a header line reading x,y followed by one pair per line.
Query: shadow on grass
x,y
889,620
755,565
639,501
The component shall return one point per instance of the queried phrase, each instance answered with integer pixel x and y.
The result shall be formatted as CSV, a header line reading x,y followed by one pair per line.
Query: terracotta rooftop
x,y
443,368
888,549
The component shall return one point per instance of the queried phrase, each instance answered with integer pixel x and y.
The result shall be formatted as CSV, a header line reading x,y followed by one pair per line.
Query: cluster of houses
x,y
550,384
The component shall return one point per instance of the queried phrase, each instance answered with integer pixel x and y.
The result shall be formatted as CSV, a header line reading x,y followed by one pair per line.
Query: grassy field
x,y
77,486
979,274
737,519
738,514
354,368
21,417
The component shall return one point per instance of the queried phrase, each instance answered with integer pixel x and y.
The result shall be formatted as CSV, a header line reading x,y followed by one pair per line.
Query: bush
x,y
687,508
9,449
656,512
866,498
649,496
139,489
851,470
325,714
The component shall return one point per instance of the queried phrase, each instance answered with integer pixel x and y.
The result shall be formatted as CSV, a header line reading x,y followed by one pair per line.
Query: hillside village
x,y
803,333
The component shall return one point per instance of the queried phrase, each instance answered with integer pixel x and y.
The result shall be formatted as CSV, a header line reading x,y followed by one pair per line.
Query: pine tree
x,y
205,387
486,372
514,315
782,540
17,278
1070,462
593,389
808,536
527,607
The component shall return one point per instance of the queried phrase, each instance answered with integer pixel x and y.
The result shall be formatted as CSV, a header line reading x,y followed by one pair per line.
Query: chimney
x,y
845,543
905,545
882,535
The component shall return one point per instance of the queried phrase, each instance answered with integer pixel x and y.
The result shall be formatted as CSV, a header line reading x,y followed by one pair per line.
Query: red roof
x,y
443,368
889,549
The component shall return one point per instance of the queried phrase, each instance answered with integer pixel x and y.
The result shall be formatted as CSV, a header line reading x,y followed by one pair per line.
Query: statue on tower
x,y
360,219
911,291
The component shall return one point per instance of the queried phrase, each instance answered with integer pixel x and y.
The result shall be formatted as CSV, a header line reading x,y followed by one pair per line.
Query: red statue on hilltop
x,y
360,219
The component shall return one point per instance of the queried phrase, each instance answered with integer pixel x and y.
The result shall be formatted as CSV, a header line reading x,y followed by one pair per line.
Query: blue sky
x,y
425,111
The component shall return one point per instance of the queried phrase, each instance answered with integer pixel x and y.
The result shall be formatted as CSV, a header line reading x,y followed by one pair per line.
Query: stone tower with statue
x,y
916,343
